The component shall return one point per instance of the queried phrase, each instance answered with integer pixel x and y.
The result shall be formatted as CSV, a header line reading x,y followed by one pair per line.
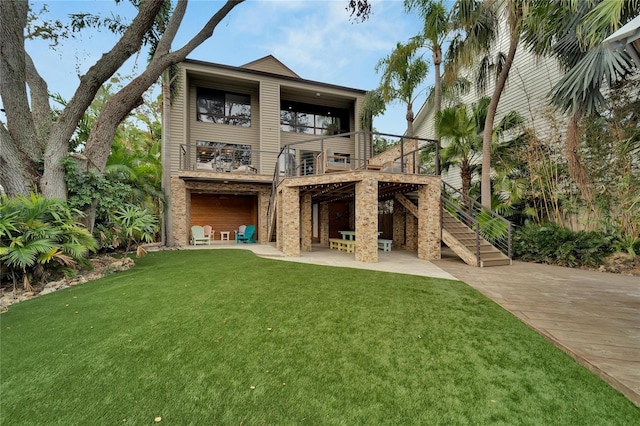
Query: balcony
x,y
316,156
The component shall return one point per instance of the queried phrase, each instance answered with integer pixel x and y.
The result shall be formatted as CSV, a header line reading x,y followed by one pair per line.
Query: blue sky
x,y
313,38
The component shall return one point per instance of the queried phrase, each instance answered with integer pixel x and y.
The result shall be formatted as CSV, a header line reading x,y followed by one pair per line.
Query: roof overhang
x,y
628,38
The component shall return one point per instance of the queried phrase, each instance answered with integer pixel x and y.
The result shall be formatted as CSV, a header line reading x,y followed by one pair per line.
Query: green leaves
x,y
551,243
36,230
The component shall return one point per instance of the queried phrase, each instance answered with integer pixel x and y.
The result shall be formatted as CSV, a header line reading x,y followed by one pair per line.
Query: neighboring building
x,y
527,91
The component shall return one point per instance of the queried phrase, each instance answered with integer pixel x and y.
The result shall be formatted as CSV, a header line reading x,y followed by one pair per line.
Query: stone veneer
x,y
422,224
181,196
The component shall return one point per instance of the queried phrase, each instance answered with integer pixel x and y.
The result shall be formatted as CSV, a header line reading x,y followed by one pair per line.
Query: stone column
x,y
399,213
324,224
429,222
263,214
291,221
367,221
279,219
306,223
180,231
411,242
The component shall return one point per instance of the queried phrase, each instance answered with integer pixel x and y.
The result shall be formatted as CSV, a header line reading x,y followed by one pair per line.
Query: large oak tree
x,y
31,136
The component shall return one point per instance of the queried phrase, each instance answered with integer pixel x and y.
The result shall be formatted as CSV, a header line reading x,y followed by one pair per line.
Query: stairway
x,y
472,248
465,243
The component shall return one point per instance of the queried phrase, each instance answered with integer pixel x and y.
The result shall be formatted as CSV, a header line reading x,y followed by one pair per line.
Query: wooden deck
x,y
592,316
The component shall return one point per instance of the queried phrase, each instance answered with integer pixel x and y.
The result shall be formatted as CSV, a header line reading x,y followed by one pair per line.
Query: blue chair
x,y
248,236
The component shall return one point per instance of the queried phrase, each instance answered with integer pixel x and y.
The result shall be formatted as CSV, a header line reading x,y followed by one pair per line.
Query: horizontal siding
x,y
270,65
265,91
530,82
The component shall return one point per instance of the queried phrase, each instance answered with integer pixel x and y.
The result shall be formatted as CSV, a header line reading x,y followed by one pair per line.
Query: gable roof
x,y
259,72
270,64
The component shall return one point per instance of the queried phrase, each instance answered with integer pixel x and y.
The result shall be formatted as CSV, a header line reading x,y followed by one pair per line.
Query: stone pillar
x,y
411,225
306,223
263,213
429,222
399,213
279,220
324,224
367,221
180,231
291,221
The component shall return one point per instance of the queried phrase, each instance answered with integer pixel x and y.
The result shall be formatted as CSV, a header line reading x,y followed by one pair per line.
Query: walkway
x,y
592,316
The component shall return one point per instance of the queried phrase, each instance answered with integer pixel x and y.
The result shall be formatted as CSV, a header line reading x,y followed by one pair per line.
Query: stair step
x,y
495,262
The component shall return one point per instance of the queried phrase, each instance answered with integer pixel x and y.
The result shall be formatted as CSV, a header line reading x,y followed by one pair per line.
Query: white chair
x,y
197,236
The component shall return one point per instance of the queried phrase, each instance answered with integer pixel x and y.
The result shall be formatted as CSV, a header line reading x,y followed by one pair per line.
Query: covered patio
x,y
363,188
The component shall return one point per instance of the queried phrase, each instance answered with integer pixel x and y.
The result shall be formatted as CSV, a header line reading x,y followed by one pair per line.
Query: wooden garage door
x,y
224,212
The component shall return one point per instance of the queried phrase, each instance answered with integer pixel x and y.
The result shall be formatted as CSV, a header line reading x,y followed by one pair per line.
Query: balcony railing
x,y
325,154
225,160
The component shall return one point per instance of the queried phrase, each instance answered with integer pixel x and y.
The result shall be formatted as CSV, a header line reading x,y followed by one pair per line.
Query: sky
x,y
314,38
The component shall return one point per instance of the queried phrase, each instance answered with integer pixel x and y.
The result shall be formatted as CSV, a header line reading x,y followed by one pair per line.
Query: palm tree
x,y
437,27
572,33
402,73
457,127
465,132
35,231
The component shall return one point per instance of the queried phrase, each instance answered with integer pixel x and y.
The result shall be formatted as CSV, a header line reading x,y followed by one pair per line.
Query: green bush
x,y
34,231
551,243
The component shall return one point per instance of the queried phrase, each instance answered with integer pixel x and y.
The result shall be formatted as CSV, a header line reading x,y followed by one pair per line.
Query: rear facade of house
x,y
224,134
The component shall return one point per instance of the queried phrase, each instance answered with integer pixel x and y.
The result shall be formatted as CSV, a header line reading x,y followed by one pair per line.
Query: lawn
x,y
208,337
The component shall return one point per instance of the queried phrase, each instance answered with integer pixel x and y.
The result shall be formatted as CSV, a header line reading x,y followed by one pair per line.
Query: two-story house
x,y
258,144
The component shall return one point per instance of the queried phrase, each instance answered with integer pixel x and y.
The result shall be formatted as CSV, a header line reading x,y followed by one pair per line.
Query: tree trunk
x,y
19,145
437,97
53,184
576,170
490,119
410,117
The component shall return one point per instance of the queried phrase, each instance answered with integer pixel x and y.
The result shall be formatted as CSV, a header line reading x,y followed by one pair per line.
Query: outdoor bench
x,y
342,245
385,245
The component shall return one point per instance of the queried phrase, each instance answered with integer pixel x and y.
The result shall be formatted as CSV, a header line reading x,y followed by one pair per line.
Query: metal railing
x,y
485,223
222,159
294,165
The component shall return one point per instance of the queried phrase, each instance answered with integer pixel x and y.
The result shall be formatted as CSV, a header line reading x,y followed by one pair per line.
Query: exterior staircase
x,y
467,244
478,235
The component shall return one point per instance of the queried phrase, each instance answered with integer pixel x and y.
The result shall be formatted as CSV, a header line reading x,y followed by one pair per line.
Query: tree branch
x,y
39,101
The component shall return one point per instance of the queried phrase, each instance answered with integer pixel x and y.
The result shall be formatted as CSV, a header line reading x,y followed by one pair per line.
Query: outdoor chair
x,y
209,232
197,236
240,232
248,235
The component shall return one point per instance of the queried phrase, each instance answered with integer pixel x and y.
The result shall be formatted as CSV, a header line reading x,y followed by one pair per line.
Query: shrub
x,y
551,243
34,231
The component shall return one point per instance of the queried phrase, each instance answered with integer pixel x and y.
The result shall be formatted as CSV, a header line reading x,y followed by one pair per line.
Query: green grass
x,y
210,337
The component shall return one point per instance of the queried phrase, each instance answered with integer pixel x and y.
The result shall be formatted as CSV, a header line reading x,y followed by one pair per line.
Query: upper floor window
x,y
216,106
313,119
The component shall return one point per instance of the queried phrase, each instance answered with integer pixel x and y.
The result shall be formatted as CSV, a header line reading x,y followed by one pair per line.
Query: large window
x,y
215,106
223,156
313,119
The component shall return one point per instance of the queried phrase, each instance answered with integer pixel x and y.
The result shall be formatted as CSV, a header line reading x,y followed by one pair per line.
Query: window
x,y
313,119
223,155
215,106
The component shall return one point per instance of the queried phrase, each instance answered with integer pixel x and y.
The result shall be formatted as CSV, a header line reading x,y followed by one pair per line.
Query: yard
x,y
225,337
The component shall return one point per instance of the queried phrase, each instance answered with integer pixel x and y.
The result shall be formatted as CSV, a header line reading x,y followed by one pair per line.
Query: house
x,y
258,144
